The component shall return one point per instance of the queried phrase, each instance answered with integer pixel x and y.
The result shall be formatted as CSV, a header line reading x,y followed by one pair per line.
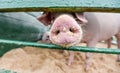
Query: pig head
x,y
66,27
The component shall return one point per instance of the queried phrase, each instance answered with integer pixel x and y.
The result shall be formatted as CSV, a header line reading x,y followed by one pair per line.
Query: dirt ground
x,y
36,60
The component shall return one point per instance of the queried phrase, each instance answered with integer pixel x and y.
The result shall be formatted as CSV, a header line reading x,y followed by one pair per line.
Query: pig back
x,y
102,25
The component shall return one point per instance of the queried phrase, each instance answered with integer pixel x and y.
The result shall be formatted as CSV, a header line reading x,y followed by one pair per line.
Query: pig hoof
x,y
87,69
69,63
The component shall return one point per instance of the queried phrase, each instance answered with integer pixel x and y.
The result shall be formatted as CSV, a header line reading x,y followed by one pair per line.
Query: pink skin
x,y
65,26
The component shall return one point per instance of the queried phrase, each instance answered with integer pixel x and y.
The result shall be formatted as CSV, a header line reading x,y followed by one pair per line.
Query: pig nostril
x,y
57,32
47,36
73,30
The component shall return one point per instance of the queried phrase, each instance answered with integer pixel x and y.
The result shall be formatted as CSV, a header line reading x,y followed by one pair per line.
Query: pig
x,y
71,30
100,26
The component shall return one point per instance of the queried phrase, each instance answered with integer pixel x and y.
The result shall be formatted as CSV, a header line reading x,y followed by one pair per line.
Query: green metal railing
x,y
52,46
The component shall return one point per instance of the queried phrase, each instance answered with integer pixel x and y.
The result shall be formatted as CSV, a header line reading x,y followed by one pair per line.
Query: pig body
x,y
100,26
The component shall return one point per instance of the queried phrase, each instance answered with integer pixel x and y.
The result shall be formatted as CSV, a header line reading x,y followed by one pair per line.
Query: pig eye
x,y
73,30
57,32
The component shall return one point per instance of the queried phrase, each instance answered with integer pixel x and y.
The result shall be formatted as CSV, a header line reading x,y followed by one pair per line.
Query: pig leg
x,y
88,61
109,42
71,58
89,55
118,45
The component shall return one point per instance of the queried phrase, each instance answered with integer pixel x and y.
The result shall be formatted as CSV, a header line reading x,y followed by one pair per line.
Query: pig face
x,y
66,27
46,38
65,31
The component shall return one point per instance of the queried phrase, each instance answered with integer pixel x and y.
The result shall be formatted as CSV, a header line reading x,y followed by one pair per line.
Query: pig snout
x,y
65,31
46,37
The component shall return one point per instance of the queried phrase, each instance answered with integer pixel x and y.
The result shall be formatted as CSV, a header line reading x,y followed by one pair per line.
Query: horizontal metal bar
x,y
52,46
60,5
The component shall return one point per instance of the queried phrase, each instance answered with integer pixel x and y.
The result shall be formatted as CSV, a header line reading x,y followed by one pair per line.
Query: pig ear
x,y
45,18
81,18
